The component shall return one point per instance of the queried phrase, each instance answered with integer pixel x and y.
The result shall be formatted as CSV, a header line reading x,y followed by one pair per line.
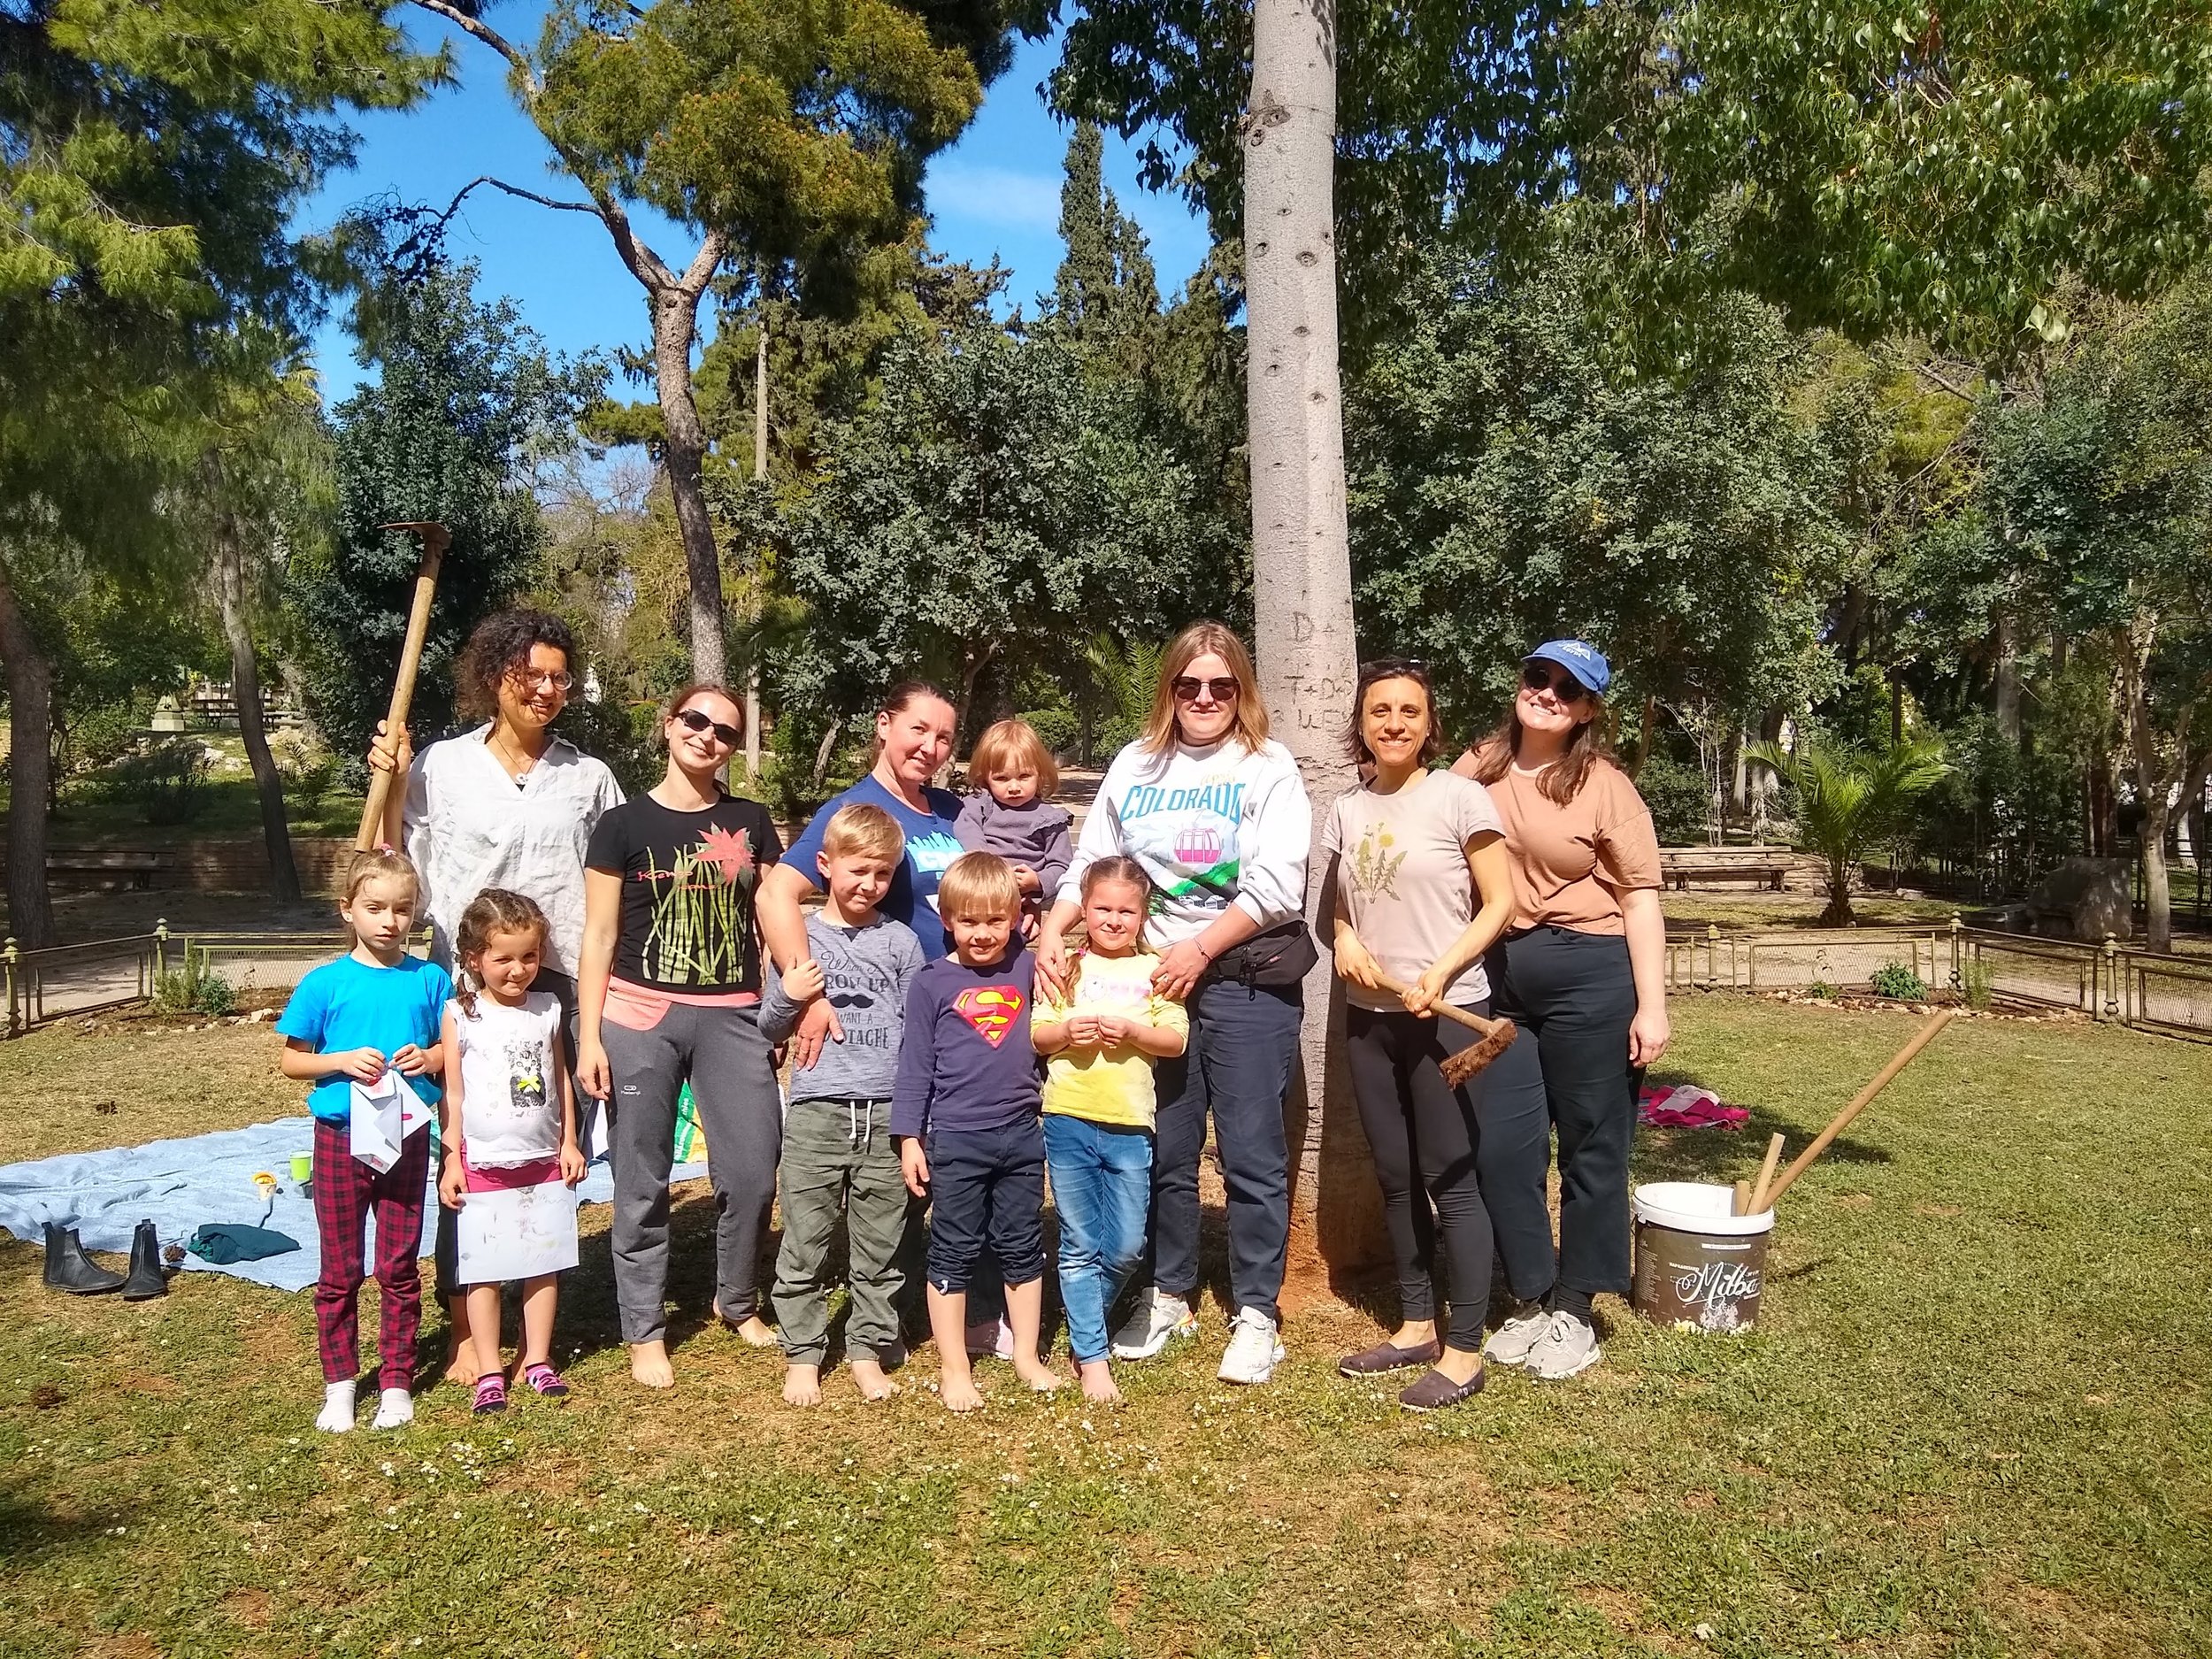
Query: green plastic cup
x,y
302,1166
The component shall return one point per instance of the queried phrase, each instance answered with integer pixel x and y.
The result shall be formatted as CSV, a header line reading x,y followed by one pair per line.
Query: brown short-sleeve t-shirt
x,y
1572,862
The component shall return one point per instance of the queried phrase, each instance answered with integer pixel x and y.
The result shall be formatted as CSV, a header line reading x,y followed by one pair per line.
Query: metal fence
x,y
2109,981
64,981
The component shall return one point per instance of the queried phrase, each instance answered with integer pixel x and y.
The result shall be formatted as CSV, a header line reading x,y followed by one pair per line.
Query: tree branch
x,y
454,206
704,264
490,36
1940,382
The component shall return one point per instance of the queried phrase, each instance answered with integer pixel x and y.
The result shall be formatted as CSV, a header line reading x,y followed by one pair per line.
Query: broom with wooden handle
x,y
1497,1035
436,538
1841,1121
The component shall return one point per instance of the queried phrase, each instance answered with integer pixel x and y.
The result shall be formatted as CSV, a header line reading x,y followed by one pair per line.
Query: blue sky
x,y
997,191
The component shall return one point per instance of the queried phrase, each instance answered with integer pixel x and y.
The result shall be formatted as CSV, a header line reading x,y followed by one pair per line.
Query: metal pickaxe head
x,y
435,536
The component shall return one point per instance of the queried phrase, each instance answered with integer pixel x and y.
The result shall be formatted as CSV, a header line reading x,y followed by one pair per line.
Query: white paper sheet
x,y
518,1233
384,1113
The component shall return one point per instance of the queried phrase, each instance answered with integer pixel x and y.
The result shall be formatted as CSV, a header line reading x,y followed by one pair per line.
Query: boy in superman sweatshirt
x,y
965,1112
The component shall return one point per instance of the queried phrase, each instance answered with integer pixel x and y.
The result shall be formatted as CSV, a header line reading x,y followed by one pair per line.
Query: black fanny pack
x,y
1280,954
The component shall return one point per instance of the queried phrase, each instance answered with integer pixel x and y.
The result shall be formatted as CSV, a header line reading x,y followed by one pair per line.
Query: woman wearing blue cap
x,y
1582,972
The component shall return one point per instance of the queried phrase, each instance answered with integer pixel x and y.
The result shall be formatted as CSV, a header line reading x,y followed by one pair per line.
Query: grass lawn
x,y
1725,909
1974,1422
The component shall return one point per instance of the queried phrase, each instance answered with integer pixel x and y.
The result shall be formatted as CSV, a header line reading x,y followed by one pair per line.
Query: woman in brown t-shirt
x,y
1582,972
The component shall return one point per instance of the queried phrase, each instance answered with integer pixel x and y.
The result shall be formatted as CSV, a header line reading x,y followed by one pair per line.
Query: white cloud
x,y
996,195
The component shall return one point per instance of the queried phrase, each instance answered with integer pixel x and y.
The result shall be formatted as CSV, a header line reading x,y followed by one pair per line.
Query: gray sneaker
x,y
1512,1342
1567,1348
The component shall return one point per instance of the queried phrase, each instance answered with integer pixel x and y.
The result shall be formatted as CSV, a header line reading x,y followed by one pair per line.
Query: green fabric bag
x,y
223,1242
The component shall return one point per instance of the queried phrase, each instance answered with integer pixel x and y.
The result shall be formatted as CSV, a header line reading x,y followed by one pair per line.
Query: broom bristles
x,y
1468,1062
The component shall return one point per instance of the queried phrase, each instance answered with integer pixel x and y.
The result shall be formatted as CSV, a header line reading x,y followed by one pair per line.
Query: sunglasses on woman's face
x,y
1564,686
728,736
1186,688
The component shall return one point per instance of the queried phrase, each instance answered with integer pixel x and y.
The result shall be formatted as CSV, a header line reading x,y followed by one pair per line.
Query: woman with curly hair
x,y
508,805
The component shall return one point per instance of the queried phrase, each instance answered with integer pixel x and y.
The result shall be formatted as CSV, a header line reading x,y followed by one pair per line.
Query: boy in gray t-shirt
x,y
837,1150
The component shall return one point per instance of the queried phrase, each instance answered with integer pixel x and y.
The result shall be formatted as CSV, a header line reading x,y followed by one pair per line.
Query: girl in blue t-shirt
x,y
373,1009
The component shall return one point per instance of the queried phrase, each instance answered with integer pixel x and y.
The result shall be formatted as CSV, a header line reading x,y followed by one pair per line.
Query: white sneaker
x,y
1567,1348
1155,1321
1512,1342
1255,1348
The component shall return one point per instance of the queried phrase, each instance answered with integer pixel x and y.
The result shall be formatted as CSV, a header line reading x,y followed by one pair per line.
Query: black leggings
x,y
1418,1125
1573,997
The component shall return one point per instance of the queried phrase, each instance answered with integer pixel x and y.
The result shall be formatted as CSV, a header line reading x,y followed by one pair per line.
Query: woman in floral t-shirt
x,y
670,995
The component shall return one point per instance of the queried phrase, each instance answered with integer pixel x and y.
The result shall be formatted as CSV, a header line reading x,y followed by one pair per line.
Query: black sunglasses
x,y
728,736
1566,687
1186,686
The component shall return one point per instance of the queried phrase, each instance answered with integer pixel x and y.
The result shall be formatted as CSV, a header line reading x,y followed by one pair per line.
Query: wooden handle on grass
x,y
435,538
1458,1016
1766,1176
1842,1119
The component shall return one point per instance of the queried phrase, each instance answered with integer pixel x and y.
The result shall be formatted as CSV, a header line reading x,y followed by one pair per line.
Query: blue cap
x,y
1579,658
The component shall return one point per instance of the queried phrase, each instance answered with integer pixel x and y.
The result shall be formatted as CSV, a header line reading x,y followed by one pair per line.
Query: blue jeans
x,y
1102,1185
1243,1039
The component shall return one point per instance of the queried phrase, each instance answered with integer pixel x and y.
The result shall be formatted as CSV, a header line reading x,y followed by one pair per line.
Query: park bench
x,y
1766,864
125,866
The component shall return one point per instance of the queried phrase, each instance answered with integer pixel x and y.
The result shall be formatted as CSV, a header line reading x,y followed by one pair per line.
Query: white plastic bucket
x,y
1697,1265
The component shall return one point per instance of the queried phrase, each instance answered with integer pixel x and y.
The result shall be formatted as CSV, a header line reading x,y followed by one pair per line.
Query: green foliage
x,y
195,987
1846,800
103,735
1680,800
1978,983
167,779
1897,979
465,400
1058,729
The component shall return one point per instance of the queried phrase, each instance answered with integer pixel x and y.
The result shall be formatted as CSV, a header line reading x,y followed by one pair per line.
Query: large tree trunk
x,y
2156,781
752,632
1302,572
30,731
245,690
2008,698
675,313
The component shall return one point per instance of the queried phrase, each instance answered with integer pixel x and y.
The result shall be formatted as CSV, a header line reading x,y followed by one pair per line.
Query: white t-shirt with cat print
x,y
511,1106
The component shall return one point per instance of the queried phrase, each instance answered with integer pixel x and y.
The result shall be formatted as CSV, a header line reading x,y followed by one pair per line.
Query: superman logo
x,y
991,1009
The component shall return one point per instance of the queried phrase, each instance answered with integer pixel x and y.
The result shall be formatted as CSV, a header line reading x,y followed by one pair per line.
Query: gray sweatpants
x,y
838,1159
732,1072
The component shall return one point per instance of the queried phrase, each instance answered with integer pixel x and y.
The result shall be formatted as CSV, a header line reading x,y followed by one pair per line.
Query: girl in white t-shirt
x,y
509,1119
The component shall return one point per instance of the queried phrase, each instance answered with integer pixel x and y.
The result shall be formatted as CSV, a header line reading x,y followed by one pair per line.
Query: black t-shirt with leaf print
x,y
688,884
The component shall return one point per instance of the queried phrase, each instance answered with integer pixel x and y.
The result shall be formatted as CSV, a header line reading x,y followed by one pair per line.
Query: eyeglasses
x,y
728,736
1186,688
530,678
1564,685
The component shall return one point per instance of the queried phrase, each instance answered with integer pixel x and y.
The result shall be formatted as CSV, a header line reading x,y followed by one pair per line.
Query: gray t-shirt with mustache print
x,y
865,972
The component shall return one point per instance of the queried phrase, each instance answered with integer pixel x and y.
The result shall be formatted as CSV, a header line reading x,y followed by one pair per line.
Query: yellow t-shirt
x,y
1108,1085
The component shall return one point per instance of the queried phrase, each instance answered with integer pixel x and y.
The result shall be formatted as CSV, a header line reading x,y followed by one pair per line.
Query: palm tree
x,y
1847,799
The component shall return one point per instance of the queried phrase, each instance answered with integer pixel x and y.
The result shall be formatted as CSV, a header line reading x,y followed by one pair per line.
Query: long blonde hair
x,y
1203,638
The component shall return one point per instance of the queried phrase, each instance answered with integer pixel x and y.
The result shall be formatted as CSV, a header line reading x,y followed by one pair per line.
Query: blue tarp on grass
x,y
180,1185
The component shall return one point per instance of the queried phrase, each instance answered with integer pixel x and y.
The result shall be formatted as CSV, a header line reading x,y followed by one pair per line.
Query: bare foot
x,y
869,1378
460,1360
752,1330
958,1393
649,1367
1098,1381
803,1385
1037,1374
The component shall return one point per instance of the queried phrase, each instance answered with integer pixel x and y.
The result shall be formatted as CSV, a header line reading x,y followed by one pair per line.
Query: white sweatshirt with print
x,y
1212,827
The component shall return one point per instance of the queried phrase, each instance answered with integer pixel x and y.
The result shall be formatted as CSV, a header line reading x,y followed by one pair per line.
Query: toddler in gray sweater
x,y
1012,813
837,1152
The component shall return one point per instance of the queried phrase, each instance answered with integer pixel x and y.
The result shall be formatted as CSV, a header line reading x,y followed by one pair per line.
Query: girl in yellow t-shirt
x,y
1101,1039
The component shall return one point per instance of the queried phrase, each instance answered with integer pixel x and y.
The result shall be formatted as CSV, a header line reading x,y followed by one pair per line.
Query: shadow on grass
x,y
30,1531
1714,1154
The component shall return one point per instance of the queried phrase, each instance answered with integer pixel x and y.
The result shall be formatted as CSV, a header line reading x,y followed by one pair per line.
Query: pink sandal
x,y
491,1394
544,1380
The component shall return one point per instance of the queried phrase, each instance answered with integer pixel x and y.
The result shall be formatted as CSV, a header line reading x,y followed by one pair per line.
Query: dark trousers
x,y
986,1188
1573,997
1424,1134
1237,1066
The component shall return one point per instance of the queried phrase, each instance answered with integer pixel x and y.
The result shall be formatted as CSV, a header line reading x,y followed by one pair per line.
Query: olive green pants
x,y
838,1158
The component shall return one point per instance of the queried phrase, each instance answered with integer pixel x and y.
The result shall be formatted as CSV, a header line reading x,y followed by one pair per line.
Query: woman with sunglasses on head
x,y
1582,971
1218,817
510,805
671,994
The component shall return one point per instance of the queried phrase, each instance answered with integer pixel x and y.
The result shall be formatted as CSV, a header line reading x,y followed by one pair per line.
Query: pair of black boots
x,y
68,1268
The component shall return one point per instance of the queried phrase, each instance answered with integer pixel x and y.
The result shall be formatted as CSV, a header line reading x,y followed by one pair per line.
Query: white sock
x,y
337,1413
394,1407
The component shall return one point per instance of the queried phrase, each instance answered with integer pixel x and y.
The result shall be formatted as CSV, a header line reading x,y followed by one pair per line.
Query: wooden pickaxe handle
x,y
436,538
1927,1034
1475,1023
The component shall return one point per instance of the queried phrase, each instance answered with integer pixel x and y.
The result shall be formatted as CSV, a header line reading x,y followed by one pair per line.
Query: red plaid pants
x,y
345,1190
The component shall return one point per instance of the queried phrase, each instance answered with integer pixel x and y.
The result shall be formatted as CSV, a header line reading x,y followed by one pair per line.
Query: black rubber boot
x,y
147,1280
68,1268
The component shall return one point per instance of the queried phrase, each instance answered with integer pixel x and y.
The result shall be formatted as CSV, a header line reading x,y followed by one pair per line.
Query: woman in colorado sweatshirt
x,y
1216,814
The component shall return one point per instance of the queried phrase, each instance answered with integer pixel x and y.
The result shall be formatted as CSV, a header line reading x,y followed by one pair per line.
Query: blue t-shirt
x,y
349,1004
931,847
